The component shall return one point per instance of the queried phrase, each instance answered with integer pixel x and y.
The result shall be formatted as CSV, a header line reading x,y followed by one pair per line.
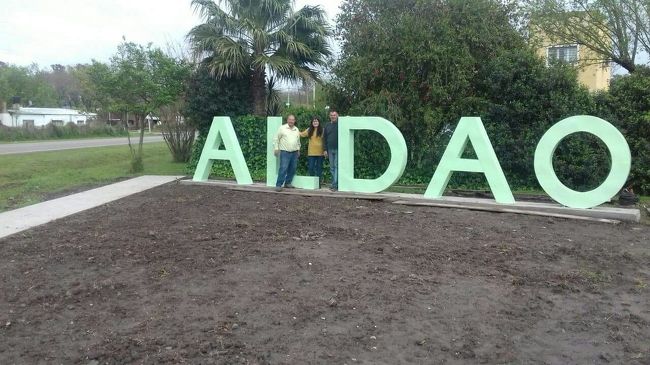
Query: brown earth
x,y
206,275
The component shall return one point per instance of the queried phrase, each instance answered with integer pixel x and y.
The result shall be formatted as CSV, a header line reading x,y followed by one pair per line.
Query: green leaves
x,y
138,79
208,97
628,106
245,38
423,64
28,83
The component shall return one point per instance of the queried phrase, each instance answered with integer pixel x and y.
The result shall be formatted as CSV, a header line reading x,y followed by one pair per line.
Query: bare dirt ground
x,y
205,275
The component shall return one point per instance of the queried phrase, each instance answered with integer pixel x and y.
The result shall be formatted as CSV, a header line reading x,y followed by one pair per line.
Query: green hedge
x,y
251,132
51,131
627,106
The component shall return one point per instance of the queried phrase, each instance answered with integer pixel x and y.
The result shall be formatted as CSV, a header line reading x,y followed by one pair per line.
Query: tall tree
x,y
616,30
423,64
28,83
138,80
247,38
207,97
67,86
414,61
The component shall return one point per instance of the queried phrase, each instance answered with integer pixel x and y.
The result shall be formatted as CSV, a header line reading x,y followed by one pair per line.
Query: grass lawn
x,y
33,177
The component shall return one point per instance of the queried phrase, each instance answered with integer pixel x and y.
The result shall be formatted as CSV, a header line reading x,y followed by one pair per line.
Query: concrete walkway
x,y
18,220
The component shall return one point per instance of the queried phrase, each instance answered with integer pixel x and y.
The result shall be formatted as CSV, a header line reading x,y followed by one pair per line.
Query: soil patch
x,y
207,275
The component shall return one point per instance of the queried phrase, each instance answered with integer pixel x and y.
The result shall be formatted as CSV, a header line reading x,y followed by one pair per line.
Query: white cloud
x,y
76,31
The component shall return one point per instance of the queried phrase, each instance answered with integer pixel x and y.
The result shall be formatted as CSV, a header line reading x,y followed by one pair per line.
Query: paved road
x,y
12,148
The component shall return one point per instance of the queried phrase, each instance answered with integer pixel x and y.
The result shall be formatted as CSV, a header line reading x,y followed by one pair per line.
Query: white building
x,y
39,117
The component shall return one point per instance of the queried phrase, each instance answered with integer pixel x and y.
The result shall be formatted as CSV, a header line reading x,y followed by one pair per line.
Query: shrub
x,y
70,130
179,138
627,106
251,132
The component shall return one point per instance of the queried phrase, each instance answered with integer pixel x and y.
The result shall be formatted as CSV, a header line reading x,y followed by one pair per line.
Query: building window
x,y
58,123
80,122
28,123
568,54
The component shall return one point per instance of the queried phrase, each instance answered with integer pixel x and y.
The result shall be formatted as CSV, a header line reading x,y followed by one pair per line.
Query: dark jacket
x,y
331,136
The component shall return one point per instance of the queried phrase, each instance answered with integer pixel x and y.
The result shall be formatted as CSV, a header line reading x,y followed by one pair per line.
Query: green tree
x,y
627,106
520,99
414,62
423,64
138,81
208,97
67,86
89,99
616,30
248,38
28,83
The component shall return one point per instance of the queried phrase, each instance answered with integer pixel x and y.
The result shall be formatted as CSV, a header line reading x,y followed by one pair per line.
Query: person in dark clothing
x,y
331,147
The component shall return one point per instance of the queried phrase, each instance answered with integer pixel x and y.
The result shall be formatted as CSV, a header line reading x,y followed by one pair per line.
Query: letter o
x,y
618,149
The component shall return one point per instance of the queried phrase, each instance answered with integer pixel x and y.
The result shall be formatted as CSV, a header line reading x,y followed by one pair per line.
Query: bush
x,y
371,150
627,106
208,97
251,132
51,131
178,134
463,58
179,138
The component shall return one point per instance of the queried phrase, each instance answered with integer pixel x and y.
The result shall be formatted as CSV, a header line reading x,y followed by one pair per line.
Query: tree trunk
x,y
141,137
258,86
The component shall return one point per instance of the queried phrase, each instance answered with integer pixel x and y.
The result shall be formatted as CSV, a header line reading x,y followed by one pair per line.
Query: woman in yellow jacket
x,y
315,148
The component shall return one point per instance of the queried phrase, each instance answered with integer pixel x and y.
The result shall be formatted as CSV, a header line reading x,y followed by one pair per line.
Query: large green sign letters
x,y
618,149
469,130
221,131
398,154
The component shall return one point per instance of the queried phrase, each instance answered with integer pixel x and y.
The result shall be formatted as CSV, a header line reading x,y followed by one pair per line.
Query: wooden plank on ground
x,y
305,192
506,210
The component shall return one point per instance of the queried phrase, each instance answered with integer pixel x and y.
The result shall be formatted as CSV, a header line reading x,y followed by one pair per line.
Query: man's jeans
x,y
315,166
288,164
333,156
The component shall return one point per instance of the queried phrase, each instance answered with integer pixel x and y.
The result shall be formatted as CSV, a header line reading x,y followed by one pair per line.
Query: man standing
x,y
331,147
286,144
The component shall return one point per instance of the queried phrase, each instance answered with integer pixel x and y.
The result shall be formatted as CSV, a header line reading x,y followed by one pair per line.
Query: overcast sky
x,y
68,32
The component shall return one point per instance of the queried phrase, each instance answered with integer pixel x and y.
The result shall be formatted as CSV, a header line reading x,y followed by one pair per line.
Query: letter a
x,y
221,131
470,129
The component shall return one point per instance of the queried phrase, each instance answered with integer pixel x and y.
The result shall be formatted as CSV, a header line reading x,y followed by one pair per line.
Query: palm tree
x,y
247,38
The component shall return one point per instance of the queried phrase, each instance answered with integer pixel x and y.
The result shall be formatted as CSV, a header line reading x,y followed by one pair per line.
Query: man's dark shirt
x,y
331,136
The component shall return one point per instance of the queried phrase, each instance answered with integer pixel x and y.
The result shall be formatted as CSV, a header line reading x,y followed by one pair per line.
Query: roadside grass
x,y
34,177
53,132
60,139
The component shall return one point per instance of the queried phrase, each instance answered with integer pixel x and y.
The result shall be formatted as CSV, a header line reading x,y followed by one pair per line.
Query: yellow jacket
x,y
315,147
